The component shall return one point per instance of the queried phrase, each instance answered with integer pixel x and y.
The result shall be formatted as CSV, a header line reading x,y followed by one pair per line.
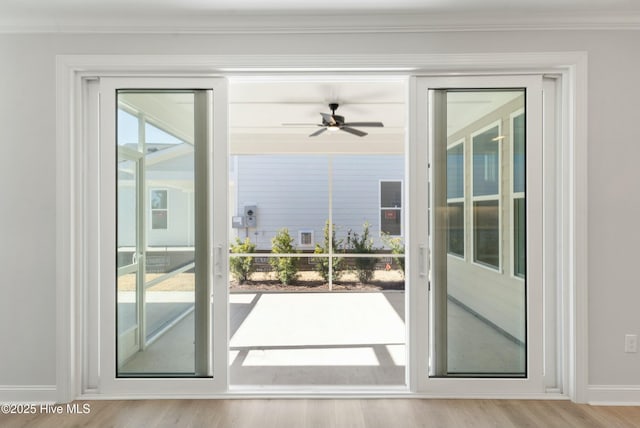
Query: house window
x,y
486,233
455,199
158,209
485,162
486,197
519,205
391,207
305,238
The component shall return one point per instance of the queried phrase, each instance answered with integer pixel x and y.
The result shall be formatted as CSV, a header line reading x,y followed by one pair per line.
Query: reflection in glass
x,y
127,212
455,171
486,233
128,129
126,299
485,162
158,129
455,238
479,307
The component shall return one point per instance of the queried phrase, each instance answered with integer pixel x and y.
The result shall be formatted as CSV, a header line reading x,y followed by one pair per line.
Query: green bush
x,y
285,268
362,244
322,263
242,267
397,247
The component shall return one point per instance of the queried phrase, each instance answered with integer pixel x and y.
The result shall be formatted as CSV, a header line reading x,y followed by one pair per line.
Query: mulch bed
x,y
302,286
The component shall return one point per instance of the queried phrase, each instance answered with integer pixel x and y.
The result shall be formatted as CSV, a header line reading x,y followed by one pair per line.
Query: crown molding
x,y
286,23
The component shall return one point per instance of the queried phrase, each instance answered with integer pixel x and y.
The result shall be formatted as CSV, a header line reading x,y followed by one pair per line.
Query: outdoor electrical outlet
x,y
631,343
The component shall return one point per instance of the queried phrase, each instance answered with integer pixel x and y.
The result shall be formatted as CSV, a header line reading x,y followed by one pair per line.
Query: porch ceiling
x,y
261,111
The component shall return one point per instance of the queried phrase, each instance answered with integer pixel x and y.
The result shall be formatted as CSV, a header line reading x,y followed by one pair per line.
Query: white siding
x,y
292,191
356,192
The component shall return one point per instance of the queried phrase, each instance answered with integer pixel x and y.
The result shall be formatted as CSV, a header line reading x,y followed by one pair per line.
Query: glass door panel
x,y
479,234
157,214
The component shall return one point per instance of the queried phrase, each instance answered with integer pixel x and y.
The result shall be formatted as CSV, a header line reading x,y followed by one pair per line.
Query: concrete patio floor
x,y
335,339
317,339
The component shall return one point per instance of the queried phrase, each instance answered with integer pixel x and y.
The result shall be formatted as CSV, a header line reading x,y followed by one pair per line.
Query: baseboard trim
x,y
290,395
614,395
28,393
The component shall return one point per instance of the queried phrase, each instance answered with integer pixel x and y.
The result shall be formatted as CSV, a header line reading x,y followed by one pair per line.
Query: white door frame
x,y
421,154
76,270
211,328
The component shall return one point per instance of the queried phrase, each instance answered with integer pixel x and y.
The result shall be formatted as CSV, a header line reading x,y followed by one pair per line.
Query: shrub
x,y
322,263
362,244
397,247
285,268
242,267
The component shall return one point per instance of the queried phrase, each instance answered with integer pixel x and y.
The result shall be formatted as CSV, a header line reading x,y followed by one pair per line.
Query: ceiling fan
x,y
334,122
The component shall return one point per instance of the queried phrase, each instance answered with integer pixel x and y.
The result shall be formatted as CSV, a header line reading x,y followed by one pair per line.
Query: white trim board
x,y
72,200
28,393
77,66
614,395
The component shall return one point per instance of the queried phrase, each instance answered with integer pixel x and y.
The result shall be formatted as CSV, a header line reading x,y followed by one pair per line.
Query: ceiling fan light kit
x,y
333,122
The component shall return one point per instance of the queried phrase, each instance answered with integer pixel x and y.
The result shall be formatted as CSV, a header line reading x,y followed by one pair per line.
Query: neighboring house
x,y
293,192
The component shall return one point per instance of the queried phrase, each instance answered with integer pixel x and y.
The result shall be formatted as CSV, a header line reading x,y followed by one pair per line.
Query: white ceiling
x,y
225,15
258,108
261,107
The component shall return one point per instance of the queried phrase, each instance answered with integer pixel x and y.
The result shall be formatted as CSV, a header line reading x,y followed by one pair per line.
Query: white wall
x,y
27,171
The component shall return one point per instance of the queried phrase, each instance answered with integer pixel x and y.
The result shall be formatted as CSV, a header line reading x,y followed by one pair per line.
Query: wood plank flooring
x,y
304,413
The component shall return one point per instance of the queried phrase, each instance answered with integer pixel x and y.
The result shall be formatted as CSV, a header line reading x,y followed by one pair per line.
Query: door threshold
x,y
318,391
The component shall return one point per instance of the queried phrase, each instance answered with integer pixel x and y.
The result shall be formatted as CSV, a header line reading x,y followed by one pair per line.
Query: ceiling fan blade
x,y
371,124
326,117
318,132
353,131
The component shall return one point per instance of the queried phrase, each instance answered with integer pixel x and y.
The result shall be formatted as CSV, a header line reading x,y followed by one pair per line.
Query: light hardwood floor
x,y
303,413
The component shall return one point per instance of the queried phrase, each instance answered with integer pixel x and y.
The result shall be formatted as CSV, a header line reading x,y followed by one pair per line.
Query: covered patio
x,y
325,338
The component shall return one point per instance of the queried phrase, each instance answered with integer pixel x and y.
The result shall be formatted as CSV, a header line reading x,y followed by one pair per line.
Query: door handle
x,y
423,260
217,267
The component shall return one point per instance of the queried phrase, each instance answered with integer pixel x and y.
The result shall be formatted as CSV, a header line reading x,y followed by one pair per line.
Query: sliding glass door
x,y
473,230
478,164
168,156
